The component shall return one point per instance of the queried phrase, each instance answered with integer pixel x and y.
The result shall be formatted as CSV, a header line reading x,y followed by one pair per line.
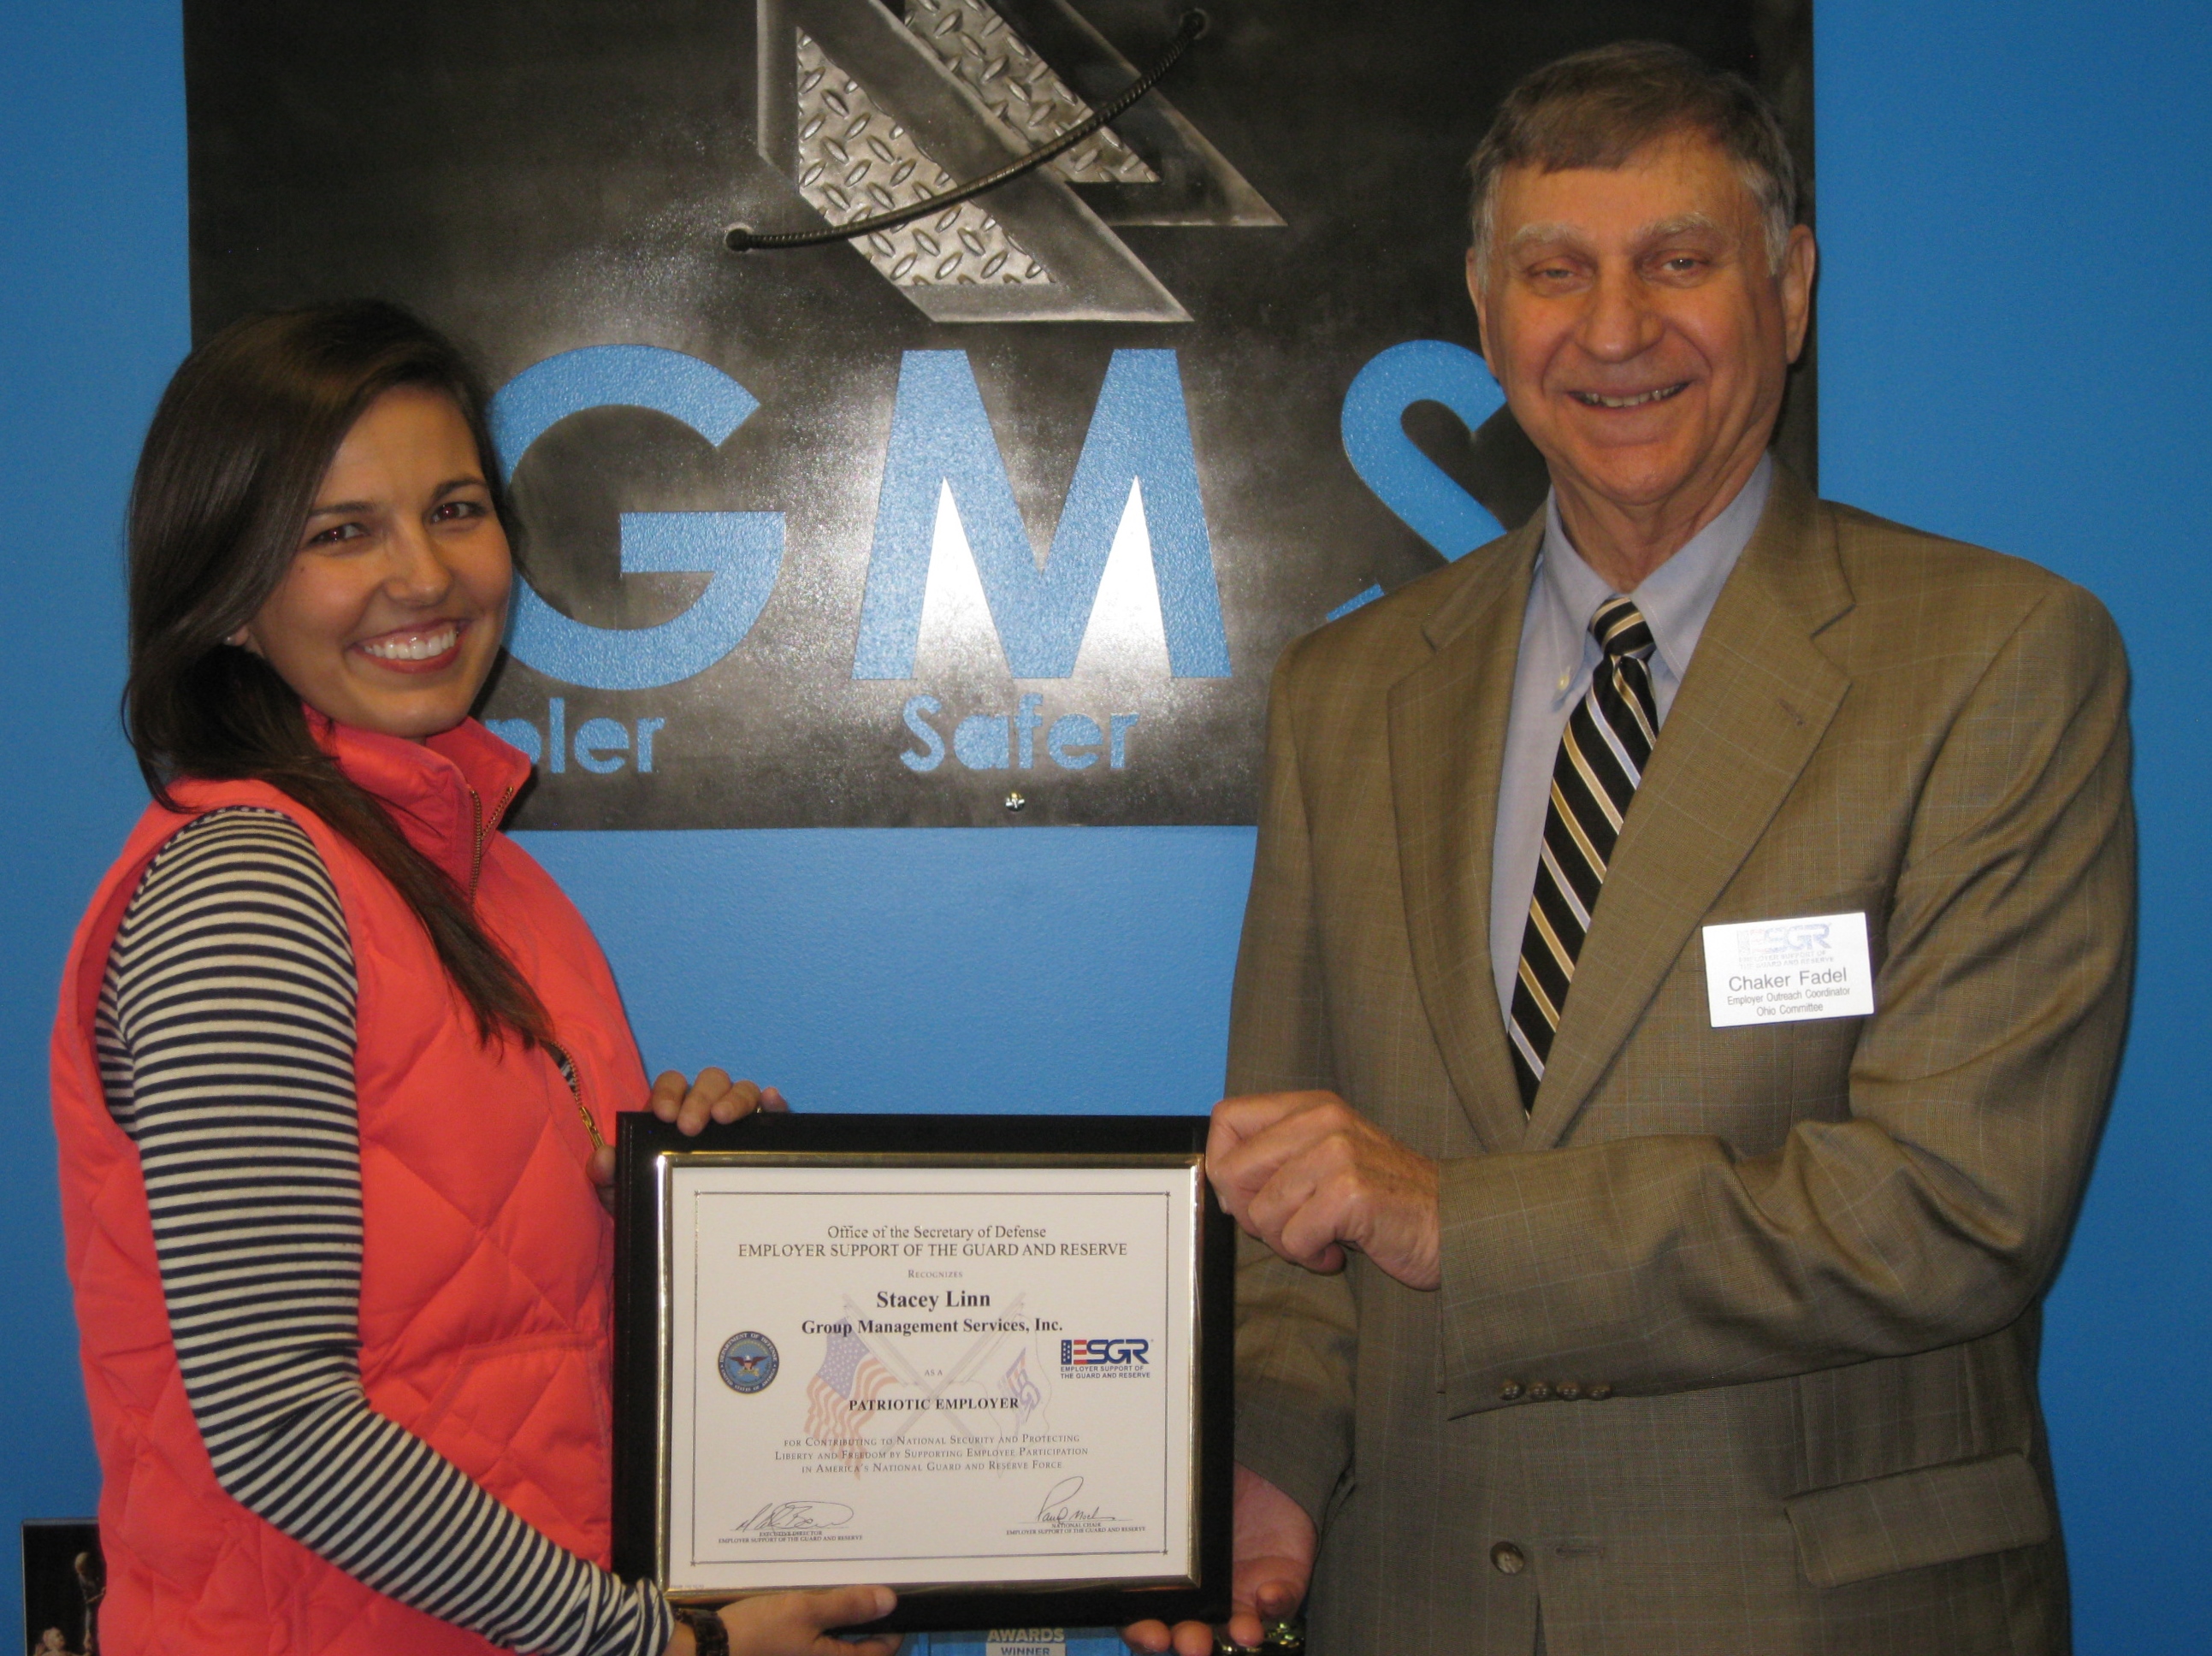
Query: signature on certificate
x,y
789,1516
1059,1507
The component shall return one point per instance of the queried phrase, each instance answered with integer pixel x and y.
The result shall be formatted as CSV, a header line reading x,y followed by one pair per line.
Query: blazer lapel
x,y
1752,709
1447,721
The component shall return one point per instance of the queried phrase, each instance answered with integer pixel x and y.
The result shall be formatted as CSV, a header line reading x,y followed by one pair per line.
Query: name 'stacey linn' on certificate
x,y
931,1375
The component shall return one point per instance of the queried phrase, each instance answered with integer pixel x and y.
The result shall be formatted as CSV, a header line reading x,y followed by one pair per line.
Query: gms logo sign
x,y
998,514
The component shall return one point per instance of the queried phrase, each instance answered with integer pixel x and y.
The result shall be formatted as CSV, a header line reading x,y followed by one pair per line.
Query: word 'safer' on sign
x,y
991,742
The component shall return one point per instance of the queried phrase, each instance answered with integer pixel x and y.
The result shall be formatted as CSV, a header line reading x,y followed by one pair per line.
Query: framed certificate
x,y
983,1360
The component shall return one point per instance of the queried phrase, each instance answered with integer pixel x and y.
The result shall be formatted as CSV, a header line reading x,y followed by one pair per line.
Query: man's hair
x,y
1599,108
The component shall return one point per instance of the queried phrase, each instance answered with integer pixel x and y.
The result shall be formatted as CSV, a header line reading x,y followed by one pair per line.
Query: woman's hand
x,y
690,1105
713,1097
798,1623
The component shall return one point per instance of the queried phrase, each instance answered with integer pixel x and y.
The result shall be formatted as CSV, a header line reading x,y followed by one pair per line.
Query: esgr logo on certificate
x,y
1784,971
1106,1359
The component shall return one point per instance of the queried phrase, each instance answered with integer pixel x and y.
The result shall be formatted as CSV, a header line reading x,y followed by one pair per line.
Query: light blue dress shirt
x,y
1559,655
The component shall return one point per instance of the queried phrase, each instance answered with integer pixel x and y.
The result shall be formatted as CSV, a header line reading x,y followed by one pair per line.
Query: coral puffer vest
x,y
486,1255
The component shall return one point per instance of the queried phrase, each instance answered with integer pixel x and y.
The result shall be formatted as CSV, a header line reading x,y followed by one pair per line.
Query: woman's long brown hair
x,y
240,444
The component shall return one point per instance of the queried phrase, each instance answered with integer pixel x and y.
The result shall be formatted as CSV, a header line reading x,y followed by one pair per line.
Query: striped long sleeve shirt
x,y
226,1038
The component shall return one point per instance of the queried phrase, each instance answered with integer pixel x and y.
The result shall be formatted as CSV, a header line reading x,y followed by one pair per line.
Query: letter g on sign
x,y
740,552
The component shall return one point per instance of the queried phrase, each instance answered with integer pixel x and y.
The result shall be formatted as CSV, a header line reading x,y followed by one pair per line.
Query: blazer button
x,y
1510,1393
1569,1391
1599,1392
1508,1559
1539,1390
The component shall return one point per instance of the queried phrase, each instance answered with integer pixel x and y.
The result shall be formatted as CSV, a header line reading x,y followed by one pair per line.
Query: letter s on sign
x,y
740,552
1392,465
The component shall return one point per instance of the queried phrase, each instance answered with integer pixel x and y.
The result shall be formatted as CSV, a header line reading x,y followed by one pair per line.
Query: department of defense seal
x,y
747,1363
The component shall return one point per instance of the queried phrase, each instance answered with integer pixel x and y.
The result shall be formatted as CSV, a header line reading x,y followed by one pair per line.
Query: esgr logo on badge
x,y
747,1363
1782,941
1106,1359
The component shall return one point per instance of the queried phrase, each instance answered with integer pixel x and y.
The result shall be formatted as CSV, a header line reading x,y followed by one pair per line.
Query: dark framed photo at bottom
x,y
982,1360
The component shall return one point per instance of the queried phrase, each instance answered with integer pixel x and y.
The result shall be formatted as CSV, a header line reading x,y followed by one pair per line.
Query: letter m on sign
x,y
941,438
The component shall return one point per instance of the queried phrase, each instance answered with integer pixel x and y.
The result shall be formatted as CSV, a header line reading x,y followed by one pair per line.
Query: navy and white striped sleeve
x,y
225,1039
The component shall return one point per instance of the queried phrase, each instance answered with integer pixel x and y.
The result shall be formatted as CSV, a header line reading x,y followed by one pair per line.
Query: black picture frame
x,y
64,1579
641,1337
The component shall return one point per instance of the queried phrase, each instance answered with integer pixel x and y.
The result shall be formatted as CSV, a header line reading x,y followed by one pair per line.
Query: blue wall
x,y
2014,338
2014,209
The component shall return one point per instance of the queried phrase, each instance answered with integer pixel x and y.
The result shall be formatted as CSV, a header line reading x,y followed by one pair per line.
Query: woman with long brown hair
x,y
335,1060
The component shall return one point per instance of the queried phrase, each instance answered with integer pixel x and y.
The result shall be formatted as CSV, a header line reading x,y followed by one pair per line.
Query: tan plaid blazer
x,y
1736,1345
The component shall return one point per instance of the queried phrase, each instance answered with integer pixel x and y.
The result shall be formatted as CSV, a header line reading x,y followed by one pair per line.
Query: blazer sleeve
x,y
1296,1332
1935,1212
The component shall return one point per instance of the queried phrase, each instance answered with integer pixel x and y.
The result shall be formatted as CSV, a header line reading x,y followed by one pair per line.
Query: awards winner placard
x,y
982,1360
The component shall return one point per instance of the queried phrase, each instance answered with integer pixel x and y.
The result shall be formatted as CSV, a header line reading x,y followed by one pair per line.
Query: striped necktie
x,y
1602,755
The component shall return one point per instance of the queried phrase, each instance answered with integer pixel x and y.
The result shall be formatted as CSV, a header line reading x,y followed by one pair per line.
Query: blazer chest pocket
x,y
1931,1515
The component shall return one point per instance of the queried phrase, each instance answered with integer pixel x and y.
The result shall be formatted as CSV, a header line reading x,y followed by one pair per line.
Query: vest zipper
x,y
569,1074
559,1054
477,813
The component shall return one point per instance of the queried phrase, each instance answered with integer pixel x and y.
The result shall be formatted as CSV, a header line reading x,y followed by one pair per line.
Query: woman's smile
x,y
414,650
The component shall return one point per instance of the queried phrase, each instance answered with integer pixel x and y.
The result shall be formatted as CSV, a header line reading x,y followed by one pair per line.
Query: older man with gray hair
x,y
1682,982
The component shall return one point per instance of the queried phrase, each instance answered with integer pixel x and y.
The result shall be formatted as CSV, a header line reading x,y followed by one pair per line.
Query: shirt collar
x,y
1674,599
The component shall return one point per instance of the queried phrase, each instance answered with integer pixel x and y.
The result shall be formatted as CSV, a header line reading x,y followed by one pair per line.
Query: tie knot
x,y
1621,631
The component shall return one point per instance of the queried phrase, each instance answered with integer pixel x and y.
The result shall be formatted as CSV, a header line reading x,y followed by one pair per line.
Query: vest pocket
x,y
1931,1515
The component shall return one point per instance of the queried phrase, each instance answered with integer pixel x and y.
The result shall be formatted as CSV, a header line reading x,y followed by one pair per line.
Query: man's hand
x,y
690,1105
1274,1554
1309,1176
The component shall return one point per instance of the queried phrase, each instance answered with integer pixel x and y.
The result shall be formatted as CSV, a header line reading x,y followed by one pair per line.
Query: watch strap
x,y
708,1631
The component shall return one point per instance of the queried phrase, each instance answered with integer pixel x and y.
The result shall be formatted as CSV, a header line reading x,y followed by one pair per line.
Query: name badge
x,y
1788,971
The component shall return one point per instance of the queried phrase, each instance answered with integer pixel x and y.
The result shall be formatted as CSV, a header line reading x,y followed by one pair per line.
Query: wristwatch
x,y
711,1637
